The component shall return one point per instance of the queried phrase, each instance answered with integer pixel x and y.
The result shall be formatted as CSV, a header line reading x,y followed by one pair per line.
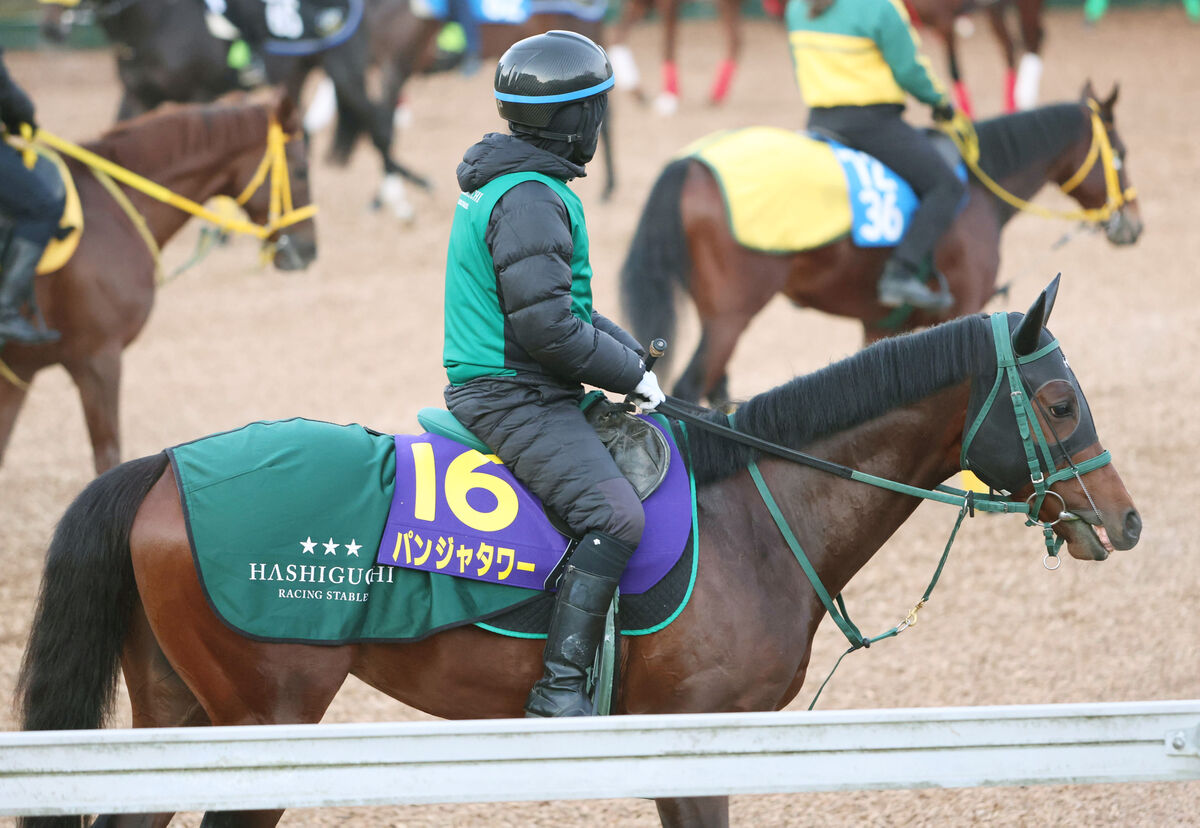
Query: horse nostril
x,y
1133,525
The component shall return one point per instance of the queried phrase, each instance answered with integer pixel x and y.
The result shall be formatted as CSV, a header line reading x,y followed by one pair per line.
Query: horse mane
x,y
1010,143
182,135
887,375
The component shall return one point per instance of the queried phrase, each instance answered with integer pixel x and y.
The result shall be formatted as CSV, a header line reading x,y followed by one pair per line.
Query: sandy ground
x,y
357,338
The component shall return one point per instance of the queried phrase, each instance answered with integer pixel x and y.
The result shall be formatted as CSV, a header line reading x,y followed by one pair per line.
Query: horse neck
x,y
846,522
1032,153
134,25
216,169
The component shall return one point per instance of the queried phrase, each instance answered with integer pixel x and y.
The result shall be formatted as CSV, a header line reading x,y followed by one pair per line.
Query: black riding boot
x,y
17,272
901,285
576,628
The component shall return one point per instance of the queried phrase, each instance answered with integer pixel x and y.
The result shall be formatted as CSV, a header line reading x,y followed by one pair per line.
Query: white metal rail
x,y
292,766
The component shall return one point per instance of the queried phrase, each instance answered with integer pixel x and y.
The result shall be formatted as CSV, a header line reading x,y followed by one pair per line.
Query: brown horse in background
x,y
102,297
1021,81
120,589
938,15
683,240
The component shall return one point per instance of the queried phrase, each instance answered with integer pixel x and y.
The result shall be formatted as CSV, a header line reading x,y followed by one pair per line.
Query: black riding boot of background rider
x,y
17,271
879,130
577,625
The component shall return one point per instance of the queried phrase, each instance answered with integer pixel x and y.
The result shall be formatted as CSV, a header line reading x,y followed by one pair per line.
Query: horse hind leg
x,y
12,397
706,811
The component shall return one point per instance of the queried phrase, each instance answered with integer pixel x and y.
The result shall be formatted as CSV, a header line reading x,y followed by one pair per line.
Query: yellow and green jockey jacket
x,y
858,53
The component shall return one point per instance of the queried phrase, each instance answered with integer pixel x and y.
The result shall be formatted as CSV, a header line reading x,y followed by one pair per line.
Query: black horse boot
x,y
576,628
17,272
901,285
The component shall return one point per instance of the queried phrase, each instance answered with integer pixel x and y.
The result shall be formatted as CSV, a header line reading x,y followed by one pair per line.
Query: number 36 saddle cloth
x,y
787,191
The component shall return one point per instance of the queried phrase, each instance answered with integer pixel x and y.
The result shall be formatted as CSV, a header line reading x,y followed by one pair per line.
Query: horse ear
x,y
1089,92
1111,100
1029,333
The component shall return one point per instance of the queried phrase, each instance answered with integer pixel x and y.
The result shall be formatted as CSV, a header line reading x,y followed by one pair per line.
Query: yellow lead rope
x,y
962,133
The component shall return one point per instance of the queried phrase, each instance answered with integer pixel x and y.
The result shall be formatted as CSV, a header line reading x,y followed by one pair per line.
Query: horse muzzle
x,y
1089,537
1124,228
293,252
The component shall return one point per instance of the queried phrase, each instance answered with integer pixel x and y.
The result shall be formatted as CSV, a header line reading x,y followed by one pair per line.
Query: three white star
x,y
331,547
352,547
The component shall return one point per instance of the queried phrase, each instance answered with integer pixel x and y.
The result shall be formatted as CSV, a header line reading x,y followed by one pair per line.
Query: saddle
x,y
298,30
639,450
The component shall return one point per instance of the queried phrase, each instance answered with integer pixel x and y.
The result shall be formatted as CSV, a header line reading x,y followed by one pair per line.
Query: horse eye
x,y
1062,410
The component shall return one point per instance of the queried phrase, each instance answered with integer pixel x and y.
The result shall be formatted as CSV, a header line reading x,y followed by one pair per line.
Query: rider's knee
x,y
623,518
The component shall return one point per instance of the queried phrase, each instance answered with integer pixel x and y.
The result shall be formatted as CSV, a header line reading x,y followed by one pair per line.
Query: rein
x,y
282,213
1032,438
962,132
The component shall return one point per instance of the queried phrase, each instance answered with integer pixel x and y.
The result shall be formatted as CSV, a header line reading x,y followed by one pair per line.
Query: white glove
x,y
649,391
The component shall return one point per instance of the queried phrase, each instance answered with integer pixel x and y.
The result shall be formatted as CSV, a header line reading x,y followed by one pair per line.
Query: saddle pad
x,y
52,171
789,191
458,511
485,11
283,519
783,191
295,29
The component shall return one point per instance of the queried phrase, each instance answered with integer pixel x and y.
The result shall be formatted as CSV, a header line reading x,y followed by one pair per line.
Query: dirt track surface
x,y
357,338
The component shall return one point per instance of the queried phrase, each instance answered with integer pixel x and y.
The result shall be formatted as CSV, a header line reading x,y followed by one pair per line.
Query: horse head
x,y
1030,432
1098,178
279,200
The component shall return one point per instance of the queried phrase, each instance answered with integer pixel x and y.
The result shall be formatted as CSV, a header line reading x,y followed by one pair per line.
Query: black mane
x,y
1009,143
887,375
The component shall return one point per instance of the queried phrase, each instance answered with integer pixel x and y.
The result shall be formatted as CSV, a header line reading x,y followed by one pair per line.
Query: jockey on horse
x,y
34,212
855,62
521,336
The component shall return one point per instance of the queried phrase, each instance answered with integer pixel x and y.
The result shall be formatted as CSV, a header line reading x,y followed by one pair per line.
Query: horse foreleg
x,y
668,100
703,811
98,379
999,26
610,170
962,96
1029,72
12,398
729,11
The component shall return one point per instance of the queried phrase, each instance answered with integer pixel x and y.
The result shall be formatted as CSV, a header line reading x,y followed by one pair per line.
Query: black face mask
x,y
997,454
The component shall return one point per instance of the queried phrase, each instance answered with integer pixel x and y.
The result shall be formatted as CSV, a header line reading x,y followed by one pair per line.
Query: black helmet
x,y
540,75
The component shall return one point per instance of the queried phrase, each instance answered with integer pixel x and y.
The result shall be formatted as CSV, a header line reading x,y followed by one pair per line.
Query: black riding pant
x,y
24,200
880,131
537,429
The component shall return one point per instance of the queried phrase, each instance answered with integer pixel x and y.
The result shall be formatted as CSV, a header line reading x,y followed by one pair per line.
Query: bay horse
x,y
939,15
683,241
120,591
100,299
1022,78
165,53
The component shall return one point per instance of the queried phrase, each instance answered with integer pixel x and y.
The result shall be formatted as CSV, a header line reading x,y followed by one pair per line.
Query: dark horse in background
x,y
683,241
120,589
100,299
165,52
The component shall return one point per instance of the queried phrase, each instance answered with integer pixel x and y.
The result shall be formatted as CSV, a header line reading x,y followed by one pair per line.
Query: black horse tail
x,y
69,673
658,259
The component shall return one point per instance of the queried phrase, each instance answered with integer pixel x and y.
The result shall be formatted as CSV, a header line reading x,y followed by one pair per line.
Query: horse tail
x,y
658,259
69,673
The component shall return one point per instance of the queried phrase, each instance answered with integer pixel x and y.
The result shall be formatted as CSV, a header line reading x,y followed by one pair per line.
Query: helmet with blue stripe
x,y
540,76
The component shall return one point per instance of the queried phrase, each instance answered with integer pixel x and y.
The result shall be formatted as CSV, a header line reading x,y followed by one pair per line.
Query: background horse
x,y
165,52
939,15
683,240
120,590
100,299
1021,81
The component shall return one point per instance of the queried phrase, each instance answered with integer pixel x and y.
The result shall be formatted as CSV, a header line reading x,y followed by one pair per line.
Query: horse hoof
x,y
666,104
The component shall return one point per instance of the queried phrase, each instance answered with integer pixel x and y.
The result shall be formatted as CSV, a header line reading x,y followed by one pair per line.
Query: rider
x,y
521,336
855,60
34,211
